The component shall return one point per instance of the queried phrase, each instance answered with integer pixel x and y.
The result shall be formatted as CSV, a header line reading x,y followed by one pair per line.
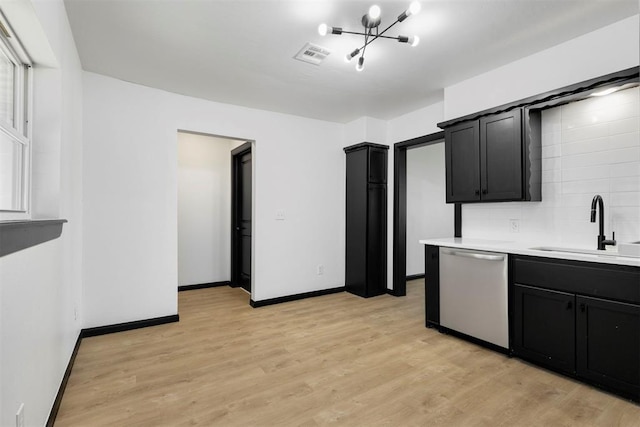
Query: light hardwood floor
x,y
336,359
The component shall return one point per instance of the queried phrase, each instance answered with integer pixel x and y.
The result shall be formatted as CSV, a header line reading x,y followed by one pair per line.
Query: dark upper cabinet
x,y
366,220
462,155
494,158
501,156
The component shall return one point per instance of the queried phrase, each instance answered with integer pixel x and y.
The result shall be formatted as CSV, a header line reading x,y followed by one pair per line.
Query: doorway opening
x,y
206,212
424,212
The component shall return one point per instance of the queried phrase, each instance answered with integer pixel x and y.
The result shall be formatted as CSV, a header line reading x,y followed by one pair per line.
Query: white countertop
x,y
523,248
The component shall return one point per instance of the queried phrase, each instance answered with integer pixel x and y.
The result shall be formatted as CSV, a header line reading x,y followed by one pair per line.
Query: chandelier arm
x,y
364,34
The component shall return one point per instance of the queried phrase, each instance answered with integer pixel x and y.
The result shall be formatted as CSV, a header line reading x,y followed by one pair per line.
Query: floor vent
x,y
312,53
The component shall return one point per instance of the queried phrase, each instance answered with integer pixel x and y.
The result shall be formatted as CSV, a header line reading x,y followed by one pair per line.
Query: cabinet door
x,y
376,240
608,344
377,166
356,224
501,156
544,327
432,285
462,156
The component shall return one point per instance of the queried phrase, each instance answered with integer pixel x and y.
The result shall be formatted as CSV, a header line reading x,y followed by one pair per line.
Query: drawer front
x,y
621,283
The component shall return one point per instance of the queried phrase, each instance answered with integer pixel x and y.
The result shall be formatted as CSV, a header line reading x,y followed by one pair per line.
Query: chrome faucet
x,y
602,239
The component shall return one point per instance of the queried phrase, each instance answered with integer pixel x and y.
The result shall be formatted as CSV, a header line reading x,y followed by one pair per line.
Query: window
x,y
15,90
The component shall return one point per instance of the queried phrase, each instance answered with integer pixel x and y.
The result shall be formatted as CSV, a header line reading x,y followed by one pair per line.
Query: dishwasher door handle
x,y
481,256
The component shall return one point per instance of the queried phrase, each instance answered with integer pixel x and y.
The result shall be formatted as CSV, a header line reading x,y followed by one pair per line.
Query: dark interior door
x,y
241,217
245,220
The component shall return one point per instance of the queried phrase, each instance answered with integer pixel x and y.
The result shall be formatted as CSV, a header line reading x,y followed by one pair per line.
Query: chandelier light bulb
x,y
374,12
414,8
414,41
352,55
360,64
322,29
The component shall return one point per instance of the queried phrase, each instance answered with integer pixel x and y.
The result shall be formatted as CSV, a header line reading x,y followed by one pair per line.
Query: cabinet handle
x,y
569,305
477,192
583,307
484,191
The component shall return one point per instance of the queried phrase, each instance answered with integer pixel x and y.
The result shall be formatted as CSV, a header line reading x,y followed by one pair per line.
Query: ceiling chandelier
x,y
371,22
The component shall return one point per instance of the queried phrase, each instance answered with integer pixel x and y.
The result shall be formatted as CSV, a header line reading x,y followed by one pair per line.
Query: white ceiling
x,y
241,51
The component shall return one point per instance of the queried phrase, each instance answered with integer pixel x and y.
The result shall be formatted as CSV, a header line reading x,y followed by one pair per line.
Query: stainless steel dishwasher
x,y
473,294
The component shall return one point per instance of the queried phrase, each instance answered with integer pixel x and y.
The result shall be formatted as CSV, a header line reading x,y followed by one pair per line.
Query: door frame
x,y
236,154
400,208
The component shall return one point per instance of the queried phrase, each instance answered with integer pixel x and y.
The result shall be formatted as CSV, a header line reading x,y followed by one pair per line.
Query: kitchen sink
x,y
576,251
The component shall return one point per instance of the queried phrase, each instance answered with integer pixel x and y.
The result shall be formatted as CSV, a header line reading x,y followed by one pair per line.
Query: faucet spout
x,y
598,205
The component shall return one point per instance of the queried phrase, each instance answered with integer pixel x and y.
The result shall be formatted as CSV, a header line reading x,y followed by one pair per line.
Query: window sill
x,y
22,234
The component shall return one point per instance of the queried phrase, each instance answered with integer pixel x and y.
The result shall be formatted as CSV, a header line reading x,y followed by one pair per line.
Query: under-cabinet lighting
x,y
606,91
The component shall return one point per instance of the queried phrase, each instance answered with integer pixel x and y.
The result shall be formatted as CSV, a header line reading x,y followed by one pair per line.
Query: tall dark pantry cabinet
x,y
366,227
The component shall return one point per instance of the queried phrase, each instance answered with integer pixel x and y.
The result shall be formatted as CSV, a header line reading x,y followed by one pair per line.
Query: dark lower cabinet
x,y
556,325
366,220
432,286
608,343
544,327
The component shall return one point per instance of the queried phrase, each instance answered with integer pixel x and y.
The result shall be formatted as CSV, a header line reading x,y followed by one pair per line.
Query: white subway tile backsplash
x,y
630,139
551,138
629,198
551,151
551,121
624,126
579,174
585,146
599,115
551,163
588,147
623,155
626,183
592,131
625,169
577,199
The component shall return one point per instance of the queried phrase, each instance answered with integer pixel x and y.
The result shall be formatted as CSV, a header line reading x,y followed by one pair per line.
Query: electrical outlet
x,y
514,225
280,216
20,416
320,270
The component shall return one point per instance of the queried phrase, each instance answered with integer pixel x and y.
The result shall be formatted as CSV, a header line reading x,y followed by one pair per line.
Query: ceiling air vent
x,y
312,53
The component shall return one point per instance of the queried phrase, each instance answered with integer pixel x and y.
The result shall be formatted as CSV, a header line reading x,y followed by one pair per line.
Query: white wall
x,y
204,208
606,50
589,147
416,123
428,214
365,129
41,286
131,179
